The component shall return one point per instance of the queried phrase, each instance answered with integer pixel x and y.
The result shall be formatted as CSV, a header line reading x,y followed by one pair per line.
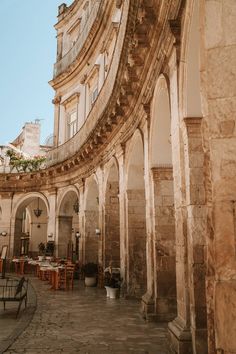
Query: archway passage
x,y
112,219
163,204
136,216
91,214
68,225
30,226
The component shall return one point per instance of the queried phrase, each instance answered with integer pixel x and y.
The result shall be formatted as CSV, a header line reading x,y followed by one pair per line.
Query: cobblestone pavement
x,y
85,321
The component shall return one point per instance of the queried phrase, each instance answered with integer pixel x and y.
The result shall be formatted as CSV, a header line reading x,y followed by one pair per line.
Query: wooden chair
x,y
62,278
70,271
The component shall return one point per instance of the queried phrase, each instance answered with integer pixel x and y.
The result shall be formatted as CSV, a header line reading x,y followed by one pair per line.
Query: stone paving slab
x,y
85,321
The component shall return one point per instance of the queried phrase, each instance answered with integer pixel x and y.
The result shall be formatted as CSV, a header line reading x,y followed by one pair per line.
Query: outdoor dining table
x,y
20,265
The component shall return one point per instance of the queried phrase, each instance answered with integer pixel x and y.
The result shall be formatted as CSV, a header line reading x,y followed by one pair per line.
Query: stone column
x,y
65,233
120,154
179,329
56,101
6,222
165,273
51,228
196,231
137,255
147,304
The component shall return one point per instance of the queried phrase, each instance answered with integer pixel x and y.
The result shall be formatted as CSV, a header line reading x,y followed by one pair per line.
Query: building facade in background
x,y
144,160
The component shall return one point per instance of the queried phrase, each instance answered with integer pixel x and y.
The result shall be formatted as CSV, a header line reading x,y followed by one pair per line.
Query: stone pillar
x,y
91,239
112,227
59,46
179,329
122,209
56,101
165,273
147,304
64,234
51,227
6,222
196,231
137,265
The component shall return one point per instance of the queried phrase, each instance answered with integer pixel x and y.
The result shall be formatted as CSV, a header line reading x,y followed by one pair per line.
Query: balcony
x,y
71,55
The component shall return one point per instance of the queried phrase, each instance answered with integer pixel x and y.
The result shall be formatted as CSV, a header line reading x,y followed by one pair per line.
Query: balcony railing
x,y
72,146
72,54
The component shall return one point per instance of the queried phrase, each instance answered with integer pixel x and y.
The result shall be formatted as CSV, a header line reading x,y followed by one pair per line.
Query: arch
x,y
112,217
30,229
71,189
68,224
27,198
135,165
162,203
160,129
91,215
113,161
136,218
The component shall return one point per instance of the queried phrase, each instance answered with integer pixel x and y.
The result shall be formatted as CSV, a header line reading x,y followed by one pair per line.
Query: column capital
x,y
193,125
162,172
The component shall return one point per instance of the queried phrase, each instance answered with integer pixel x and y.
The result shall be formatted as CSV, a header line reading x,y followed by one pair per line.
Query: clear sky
x,y
27,55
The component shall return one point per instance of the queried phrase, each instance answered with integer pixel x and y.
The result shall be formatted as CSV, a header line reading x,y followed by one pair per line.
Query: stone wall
x,y
91,239
165,279
137,268
112,225
64,235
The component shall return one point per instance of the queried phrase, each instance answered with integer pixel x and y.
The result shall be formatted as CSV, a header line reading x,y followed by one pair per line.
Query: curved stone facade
x,y
144,142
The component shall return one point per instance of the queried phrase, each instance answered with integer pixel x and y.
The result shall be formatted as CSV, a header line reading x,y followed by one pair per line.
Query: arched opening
x,y
68,226
163,203
136,218
112,219
92,230
31,221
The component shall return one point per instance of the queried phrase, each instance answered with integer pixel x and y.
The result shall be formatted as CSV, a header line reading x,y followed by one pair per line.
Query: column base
x,y
180,337
148,307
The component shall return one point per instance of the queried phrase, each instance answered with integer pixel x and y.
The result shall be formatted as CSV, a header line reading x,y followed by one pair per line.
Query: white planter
x,y
90,281
114,293
108,290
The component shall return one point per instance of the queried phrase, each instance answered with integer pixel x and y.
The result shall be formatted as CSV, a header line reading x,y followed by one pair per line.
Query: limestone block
x,y
229,19
196,159
225,310
223,152
222,72
213,18
196,194
225,241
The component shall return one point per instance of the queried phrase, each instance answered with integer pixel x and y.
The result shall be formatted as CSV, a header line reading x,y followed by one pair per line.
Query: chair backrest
x,y
19,286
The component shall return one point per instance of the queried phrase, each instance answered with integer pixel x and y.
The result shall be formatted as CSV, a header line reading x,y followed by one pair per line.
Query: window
x,y
72,124
93,95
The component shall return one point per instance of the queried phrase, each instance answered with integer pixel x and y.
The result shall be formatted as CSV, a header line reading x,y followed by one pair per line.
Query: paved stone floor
x,y
85,321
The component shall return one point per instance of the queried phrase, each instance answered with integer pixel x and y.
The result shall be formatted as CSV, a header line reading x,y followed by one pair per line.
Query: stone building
x,y
27,144
144,159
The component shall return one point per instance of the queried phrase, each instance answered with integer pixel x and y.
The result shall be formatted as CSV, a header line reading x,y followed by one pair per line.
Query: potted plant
x,y
112,284
50,248
90,271
41,248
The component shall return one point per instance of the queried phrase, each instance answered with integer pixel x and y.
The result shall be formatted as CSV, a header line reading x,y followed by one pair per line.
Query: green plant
x,y
21,164
41,247
50,246
90,269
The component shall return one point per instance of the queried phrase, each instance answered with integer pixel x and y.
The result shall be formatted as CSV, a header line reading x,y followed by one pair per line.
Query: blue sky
x,y
28,52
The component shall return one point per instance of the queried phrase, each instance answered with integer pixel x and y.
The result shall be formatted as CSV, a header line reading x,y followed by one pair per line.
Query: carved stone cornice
x,y
162,172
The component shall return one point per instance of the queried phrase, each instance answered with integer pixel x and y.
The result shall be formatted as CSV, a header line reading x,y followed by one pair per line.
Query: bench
x,y
14,290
